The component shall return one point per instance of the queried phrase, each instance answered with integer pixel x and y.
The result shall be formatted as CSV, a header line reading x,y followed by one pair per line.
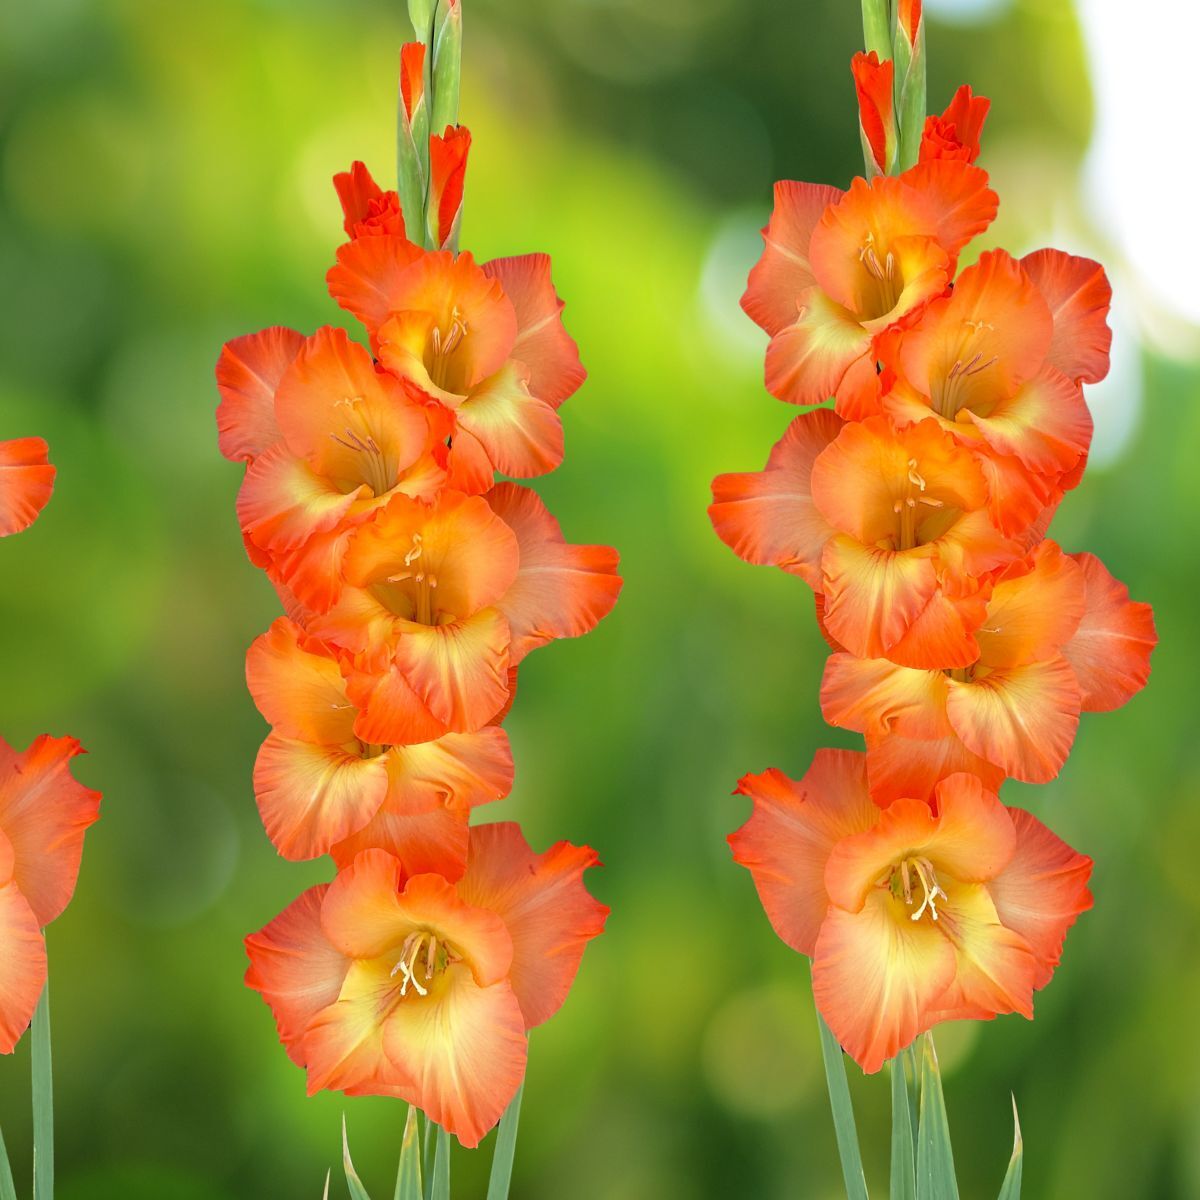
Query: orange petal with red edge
x,y
788,839
1110,650
1021,718
1041,891
545,905
561,590
26,482
783,273
542,343
44,813
768,517
248,374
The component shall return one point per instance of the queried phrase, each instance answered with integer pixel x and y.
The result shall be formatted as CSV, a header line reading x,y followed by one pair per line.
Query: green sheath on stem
x,y
877,27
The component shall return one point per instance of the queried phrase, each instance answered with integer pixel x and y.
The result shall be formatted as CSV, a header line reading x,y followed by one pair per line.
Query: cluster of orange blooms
x,y
965,643
44,811
415,584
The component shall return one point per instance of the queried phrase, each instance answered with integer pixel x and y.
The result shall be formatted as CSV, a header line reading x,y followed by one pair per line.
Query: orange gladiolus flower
x,y
486,341
1060,636
912,914
44,814
889,525
322,789
26,482
386,983
956,133
876,109
838,269
442,599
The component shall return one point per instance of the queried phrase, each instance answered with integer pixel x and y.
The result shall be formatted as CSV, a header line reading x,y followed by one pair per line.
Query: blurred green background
x,y
165,176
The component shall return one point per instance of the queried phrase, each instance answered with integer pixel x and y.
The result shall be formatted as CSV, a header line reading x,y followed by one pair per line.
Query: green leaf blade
x,y
506,1148
357,1190
440,1189
935,1158
409,1184
8,1188
43,1101
1011,1188
843,1114
904,1167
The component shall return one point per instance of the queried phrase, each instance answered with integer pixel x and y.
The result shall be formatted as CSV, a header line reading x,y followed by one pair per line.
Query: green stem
x,y
877,27
506,1147
43,1101
843,1114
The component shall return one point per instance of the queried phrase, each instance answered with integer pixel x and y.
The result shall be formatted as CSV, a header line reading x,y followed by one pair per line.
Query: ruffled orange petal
x,y
956,132
464,1047
1079,296
248,374
900,766
876,697
298,687
44,813
542,344
783,273
768,517
1041,891
460,769
958,196
877,976
26,482
390,711
808,359
561,590
995,966
295,969
545,905
1020,502
368,278
312,796
433,841
1021,718
794,826
1110,651
943,635
22,965
521,434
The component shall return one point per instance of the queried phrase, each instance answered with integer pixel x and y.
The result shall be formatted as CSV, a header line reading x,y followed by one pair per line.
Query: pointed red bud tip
x,y
956,133
908,19
873,83
447,174
412,77
356,189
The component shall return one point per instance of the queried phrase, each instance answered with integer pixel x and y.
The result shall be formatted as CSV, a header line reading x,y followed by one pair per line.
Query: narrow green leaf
x,y
427,1156
506,1147
910,107
904,1168
1011,1188
935,1159
843,1114
408,1178
357,1191
447,65
441,1167
328,1177
43,1101
8,1189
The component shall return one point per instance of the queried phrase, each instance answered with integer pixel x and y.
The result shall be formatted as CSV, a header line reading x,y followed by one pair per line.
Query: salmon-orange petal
x,y
1021,718
876,697
368,277
783,273
389,711
876,115
768,517
465,1048
956,132
958,194
22,965
312,796
901,766
447,177
1042,891
561,590
542,344
26,482
461,769
356,189
542,899
520,433
877,976
44,813
787,841
808,359
1110,650
1079,295
248,374
432,841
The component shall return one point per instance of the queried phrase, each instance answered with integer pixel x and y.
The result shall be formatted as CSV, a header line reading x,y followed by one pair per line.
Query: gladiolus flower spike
x,y
965,644
414,584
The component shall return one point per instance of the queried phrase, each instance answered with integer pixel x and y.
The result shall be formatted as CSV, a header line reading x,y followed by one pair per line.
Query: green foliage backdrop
x,y
164,185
